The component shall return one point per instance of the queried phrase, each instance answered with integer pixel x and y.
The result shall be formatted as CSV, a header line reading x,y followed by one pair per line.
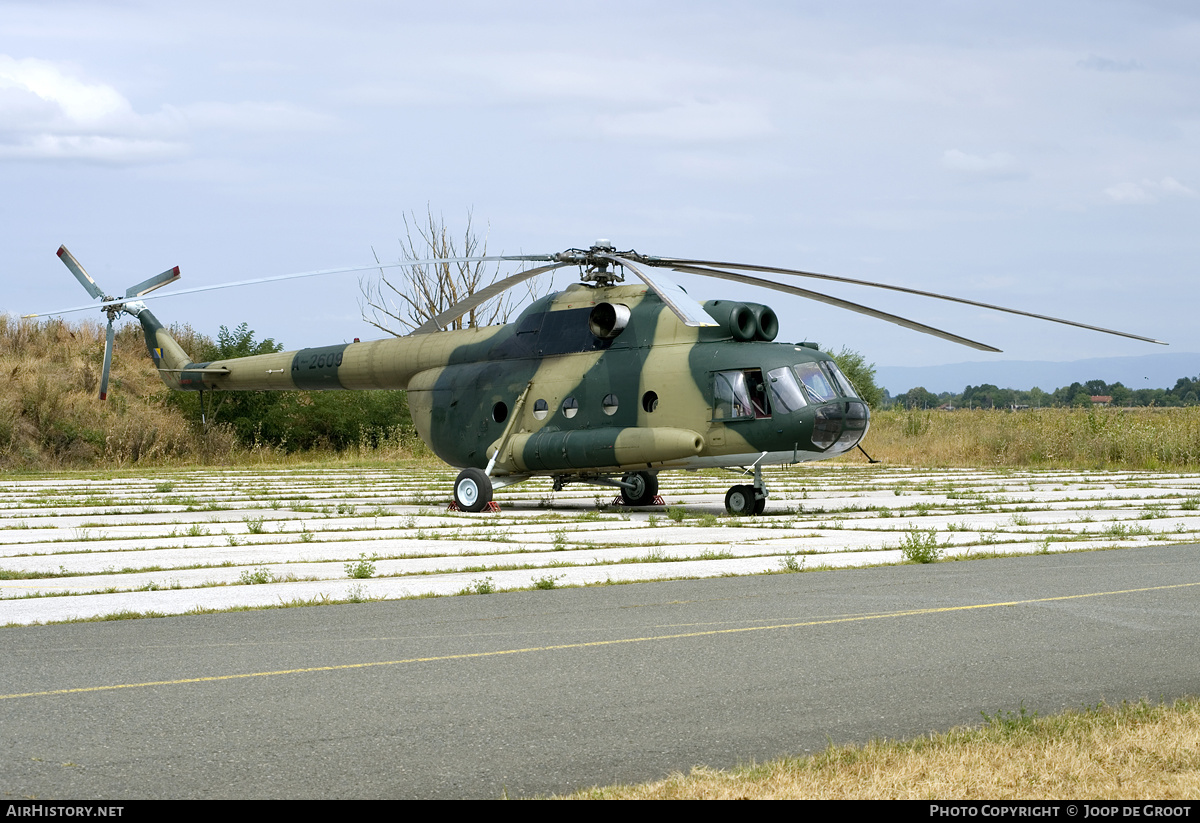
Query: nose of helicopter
x,y
838,427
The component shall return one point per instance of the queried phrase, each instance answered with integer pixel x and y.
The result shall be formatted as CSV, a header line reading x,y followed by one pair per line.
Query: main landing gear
x,y
639,488
744,500
472,490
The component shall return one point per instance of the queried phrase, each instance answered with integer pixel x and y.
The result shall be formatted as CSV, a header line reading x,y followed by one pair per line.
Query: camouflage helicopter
x,y
604,383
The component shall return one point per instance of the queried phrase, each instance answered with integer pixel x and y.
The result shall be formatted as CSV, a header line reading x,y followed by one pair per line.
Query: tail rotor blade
x,y
108,350
82,276
151,283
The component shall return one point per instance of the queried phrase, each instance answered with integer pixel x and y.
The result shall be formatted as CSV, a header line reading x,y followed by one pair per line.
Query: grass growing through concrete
x,y
59,533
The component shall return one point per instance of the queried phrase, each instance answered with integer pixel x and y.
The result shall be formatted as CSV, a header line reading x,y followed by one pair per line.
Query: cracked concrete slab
x,y
171,542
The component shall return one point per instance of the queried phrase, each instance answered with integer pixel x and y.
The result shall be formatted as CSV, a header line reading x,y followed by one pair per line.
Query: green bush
x,y
921,547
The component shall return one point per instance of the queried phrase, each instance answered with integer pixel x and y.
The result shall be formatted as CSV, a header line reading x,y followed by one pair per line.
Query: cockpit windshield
x,y
819,383
840,378
824,381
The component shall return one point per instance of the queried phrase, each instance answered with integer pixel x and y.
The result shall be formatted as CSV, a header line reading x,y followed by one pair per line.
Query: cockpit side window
x,y
817,381
786,394
739,395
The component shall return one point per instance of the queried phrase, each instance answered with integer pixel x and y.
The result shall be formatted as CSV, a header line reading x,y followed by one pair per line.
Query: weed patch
x,y
363,569
921,547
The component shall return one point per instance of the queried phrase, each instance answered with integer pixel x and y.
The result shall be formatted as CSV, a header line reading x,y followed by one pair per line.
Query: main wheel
x,y
472,490
760,503
644,489
740,500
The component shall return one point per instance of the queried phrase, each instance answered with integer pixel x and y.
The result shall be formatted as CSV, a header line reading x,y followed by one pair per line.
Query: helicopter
x,y
607,382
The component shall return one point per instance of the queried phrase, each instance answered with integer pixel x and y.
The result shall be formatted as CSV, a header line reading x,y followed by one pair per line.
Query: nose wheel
x,y
744,500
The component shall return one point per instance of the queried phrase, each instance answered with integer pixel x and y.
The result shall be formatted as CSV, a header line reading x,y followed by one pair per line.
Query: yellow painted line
x,y
596,643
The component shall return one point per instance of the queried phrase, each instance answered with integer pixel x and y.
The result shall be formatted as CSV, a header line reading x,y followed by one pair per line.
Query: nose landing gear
x,y
745,500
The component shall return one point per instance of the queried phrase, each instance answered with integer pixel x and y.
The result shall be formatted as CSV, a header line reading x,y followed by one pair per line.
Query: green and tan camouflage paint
x,y
475,393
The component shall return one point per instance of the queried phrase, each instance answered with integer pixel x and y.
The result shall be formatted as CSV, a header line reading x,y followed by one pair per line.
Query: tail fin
x,y
169,357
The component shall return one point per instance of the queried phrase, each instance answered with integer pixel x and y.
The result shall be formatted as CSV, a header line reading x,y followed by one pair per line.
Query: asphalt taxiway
x,y
535,692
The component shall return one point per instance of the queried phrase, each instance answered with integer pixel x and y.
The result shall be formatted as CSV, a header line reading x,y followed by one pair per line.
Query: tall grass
x,y
51,416
1140,439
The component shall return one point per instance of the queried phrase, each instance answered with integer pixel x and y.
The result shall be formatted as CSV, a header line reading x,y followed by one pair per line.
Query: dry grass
x,y
49,413
1133,752
1139,439
51,418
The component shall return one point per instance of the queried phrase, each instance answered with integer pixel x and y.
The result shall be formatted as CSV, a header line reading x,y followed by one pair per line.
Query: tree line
x,y
1186,392
289,420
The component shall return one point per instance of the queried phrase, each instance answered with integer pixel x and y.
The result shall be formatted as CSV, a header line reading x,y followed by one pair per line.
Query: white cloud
x,y
996,164
47,113
80,103
96,148
1147,191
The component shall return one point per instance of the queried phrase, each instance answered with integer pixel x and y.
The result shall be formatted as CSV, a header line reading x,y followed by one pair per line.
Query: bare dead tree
x,y
400,302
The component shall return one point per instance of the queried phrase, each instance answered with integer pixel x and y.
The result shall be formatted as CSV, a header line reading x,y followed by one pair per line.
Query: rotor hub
x,y
600,263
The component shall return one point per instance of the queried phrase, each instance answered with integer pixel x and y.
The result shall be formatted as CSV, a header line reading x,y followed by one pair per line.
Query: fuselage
x,y
558,392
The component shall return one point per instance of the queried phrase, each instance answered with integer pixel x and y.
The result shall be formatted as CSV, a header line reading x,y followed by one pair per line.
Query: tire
x,y
645,489
740,500
472,490
760,504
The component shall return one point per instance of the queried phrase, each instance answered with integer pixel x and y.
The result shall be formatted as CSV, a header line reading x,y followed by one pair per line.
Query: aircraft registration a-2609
x,y
605,382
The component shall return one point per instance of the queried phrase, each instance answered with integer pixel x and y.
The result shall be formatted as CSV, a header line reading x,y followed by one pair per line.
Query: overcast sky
x,y
1044,156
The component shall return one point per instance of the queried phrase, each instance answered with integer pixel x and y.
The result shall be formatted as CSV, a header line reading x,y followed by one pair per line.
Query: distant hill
x,y
1153,371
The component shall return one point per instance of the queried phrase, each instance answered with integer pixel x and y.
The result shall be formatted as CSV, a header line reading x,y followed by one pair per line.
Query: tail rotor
x,y
114,306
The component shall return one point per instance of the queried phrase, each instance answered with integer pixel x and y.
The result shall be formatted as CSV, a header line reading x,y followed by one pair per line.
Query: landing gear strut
x,y
744,500
637,488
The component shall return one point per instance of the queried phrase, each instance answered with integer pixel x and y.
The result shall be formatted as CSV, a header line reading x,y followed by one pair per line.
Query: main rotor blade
x,y
482,296
673,262
108,350
82,276
318,273
679,301
151,283
841,304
